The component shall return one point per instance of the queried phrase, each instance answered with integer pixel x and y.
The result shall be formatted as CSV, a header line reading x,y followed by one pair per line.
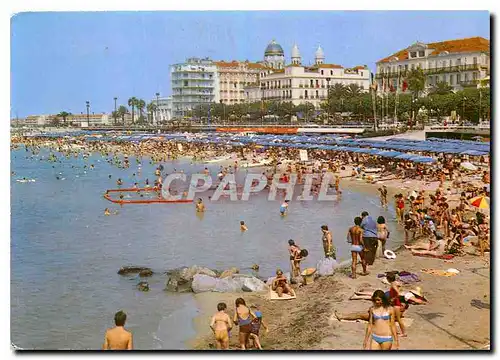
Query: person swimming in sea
x,y
200,207
243,227
284,208
107,212
119,182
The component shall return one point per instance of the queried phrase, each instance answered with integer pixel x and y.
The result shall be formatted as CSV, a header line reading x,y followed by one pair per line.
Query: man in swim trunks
x,y
370,237
221,325
355,235
118,338
328,247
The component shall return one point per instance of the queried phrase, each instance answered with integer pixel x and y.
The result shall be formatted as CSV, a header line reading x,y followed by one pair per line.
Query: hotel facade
x,y
459,63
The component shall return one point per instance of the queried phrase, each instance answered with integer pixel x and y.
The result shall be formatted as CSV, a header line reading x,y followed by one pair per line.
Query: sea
x,y
65,254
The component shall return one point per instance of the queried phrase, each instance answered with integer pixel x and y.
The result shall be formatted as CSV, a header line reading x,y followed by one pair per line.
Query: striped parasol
x,y
481,202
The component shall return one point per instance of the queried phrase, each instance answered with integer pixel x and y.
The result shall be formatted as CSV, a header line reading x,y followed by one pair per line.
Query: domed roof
x,y
295,51
274,49
319,53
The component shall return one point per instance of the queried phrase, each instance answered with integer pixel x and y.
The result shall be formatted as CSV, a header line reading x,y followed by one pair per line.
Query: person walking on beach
x,y
118,338
243,316
328,243
370,237
221,325
355,237
383,196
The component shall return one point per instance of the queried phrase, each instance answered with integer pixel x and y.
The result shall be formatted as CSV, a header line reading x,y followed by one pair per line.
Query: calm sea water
x,y
65,254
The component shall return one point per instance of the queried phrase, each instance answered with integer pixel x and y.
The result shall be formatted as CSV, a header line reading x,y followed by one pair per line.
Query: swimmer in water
x,y
109,176
119,182
107,212
284,208
243,227
200,207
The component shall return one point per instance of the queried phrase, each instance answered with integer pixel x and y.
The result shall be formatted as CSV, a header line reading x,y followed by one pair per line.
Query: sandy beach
x,y
457,316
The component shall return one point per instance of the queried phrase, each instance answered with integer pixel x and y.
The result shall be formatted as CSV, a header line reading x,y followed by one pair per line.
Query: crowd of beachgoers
x,y
442,207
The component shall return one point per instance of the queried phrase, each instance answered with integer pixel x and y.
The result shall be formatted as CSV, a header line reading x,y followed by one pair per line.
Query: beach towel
x,y
439,272
444,257
273,295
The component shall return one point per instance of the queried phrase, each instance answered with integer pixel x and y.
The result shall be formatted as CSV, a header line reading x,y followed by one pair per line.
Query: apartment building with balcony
x,y
460,63
234,76
194,82
299,84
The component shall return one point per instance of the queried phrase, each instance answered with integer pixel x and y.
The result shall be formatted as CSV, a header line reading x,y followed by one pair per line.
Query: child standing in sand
x,y
255,327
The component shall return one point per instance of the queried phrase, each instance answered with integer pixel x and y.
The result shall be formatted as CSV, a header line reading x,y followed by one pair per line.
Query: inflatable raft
x,y
158,200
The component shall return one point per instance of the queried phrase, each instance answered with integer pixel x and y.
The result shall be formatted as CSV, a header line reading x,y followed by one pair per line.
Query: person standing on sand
x,y
383,196
381,331
221,325
355,237
243,316
118,338
370,239
328,247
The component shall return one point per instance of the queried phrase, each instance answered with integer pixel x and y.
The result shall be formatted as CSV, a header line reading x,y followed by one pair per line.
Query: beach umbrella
x,y
468,166
481,202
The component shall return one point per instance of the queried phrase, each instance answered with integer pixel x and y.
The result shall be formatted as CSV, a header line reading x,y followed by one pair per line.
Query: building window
x,y
412,66
474,60
451,79
458,78
413,54
421,53
305,94
331,72
466,77
185,83
459,62
474,75
322,72
406,67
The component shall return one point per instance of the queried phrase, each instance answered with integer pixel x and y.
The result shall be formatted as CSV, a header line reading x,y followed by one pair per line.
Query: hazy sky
x,y
60,60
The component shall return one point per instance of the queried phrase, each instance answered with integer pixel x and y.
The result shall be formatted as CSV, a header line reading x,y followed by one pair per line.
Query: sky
x,y
59,60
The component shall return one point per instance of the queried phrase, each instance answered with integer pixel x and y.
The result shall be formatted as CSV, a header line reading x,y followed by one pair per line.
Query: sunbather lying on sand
x,y
437,248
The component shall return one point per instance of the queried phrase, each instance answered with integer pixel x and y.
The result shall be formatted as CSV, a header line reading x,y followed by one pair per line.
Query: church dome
x,y
295,51
274,49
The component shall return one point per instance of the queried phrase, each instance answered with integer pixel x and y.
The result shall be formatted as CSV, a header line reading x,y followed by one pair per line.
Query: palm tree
x,y
151,108
337,91
441,88
141,104
353,90
122,111
416,81
64,115
132,102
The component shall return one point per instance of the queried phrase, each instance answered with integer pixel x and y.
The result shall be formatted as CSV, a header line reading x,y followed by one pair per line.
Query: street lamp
x,y
157,106
88,115
463,110
328,99
115,98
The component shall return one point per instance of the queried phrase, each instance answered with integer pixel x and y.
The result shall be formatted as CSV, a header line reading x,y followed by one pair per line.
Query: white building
x,y
194,83
460,63
298,83
36,120
164,109
234,76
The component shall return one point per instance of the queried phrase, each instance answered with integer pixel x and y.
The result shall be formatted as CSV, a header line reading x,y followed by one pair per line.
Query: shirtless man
x,y
118,338
221,325
383,196
355,237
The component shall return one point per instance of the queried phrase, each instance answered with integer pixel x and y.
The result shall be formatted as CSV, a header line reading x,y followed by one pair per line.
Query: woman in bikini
x,y
243,316
381,331
294,250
